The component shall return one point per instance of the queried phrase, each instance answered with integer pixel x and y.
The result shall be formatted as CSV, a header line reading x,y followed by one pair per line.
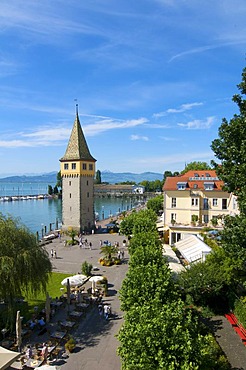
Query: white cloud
x,y
165,138
181,109
198,124
138,137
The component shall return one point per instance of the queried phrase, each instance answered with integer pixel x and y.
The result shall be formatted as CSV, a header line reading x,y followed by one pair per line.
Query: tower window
x,y
88,195
84,166
90,167
70,195
65,166
87,182
70,183
73,166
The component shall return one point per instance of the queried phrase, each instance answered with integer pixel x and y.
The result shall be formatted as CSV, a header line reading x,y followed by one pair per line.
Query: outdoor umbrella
x,y
47,307
96,278
68,294
7,357
74,280
18,330
49,367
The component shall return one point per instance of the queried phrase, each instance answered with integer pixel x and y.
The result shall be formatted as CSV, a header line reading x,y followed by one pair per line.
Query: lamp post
x,y
103,212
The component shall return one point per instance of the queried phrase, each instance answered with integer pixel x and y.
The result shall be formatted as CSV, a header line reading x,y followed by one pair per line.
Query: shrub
x,y
86,268
70,344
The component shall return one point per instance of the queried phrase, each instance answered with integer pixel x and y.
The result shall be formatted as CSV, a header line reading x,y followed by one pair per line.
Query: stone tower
x,y
77,172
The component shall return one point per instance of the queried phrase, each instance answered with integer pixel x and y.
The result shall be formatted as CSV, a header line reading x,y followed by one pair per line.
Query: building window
x,y
88,195
70,209
70,195
195,186
224,203
87,182
173,216
91,167
84,166
205,203
194,201
181,185
70,183
215,202
205,219
73,166
208,185
65,166
173,202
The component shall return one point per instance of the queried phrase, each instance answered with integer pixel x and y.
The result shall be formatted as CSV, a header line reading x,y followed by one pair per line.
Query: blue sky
x,y
153,80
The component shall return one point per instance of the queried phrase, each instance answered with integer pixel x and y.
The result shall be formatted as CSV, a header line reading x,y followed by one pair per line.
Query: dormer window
x,y
208,185
207,174
195,186
196,175
181,185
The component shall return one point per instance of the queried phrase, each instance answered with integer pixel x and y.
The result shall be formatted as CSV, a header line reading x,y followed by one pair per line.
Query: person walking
x,y
52,253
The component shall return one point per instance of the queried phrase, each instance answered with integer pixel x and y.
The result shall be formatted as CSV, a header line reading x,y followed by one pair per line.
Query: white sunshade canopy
x,y
74,280
96,278
193,249
7,357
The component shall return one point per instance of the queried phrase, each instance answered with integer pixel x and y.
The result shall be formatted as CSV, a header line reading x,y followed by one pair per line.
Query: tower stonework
x,y
77,172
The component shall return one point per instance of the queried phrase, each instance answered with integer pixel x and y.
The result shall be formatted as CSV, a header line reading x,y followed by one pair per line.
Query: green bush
x,y
86,268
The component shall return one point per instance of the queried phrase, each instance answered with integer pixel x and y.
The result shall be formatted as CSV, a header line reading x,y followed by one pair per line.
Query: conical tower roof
x,y
77,148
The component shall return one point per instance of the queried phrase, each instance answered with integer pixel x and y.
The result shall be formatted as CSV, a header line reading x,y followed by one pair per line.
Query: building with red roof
x,y
194,200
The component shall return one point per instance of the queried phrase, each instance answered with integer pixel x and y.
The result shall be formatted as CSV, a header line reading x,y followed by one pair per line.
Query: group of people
x,y
53,253
104,310
84,243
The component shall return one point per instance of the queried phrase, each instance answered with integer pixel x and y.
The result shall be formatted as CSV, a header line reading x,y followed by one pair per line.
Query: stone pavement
x,y
95,336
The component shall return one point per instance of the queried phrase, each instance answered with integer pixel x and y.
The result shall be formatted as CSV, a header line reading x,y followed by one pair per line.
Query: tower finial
x,y
77,107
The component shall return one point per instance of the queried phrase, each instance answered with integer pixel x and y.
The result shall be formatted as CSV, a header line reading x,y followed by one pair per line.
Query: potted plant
x,y
70,344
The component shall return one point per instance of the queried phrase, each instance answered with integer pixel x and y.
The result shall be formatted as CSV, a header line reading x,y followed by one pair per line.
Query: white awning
x,y
193,249
7,357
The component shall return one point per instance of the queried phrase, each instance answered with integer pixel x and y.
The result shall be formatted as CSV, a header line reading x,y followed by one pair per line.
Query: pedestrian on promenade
x,y
106,311
90,245
51,253
55,255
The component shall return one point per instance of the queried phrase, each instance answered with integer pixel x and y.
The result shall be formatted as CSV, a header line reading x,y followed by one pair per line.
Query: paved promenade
x,y
95,336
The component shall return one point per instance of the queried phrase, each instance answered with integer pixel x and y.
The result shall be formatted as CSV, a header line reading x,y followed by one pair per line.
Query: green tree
x,y
160,336
59,180
109,251
98,177
50,190
156,204
196,166
24,264
55,190
230,149
72,233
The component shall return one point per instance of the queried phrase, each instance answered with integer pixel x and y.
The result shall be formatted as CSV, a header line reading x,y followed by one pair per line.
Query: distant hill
x,y
107,176
113,178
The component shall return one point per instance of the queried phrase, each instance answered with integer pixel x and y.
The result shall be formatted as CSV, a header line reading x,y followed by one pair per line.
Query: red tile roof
x,y
194,177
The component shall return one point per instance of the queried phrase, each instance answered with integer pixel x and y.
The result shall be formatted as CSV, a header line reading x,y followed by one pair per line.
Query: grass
x,y
53,289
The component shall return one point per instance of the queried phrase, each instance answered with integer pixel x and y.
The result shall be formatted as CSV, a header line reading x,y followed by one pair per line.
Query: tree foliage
x,y
59,180
24,264
156,204
98,179
196,165
159,331
230,149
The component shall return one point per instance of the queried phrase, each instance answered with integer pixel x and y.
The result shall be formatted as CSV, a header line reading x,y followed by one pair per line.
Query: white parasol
x,y
74,280
18,330
96,278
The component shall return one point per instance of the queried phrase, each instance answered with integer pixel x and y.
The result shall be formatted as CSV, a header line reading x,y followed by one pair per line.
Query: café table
x,y
76,314
67,324
82,305
31,363
58,334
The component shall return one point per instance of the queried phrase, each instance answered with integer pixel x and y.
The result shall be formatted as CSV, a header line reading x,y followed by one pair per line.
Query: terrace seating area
x,y
65,317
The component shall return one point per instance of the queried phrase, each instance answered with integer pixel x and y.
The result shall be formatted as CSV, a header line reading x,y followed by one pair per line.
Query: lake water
x,y
37,214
